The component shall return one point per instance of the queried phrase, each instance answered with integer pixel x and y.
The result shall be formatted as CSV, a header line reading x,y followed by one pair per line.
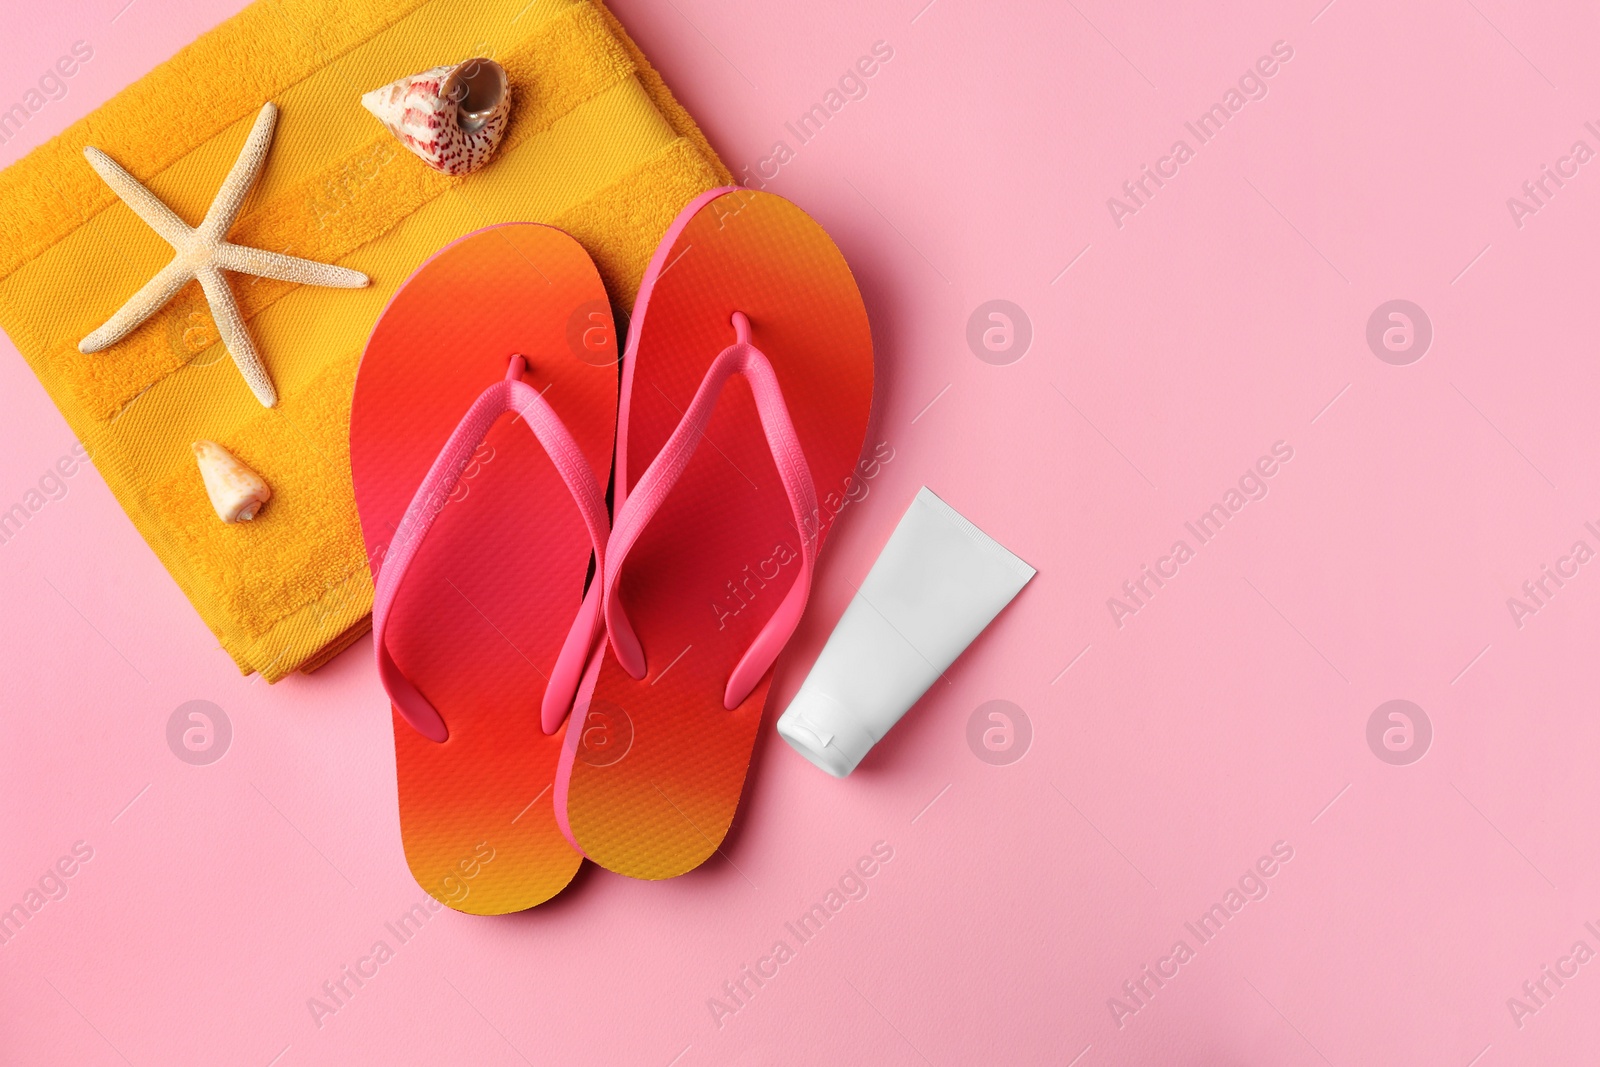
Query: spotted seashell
x,y
236,491
451,117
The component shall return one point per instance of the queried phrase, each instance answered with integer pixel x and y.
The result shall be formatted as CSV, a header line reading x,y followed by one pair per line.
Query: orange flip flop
x,y
480,534
710,560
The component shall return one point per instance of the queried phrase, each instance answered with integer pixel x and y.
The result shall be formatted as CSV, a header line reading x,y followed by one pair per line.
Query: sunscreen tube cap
x,y
825,731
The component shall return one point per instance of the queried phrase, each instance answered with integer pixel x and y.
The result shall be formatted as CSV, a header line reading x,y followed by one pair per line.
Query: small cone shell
x,y
236,491
451,117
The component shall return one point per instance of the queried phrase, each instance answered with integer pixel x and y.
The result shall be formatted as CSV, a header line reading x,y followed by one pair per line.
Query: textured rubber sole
x,y
653,776
488,601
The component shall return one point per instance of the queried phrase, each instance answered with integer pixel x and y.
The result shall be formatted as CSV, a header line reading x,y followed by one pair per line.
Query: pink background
x,y
1167,755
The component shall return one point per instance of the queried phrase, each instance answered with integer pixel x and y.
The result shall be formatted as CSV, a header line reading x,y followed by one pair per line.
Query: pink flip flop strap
x,y
510,394
650,492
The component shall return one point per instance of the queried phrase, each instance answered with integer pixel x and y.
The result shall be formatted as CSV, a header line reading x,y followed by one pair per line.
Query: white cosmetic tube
x,y
936,585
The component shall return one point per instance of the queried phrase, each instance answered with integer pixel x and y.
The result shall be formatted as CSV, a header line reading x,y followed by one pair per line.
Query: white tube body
x,y
938,582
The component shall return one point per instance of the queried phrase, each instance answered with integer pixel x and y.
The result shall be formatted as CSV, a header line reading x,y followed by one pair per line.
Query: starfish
x,y
203,253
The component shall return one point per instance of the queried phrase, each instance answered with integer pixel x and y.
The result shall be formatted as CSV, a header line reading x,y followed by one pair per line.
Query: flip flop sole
x,y
489,599
653,775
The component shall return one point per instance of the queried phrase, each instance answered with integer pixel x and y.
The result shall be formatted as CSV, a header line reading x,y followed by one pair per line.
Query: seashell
x,y
452,117
236,491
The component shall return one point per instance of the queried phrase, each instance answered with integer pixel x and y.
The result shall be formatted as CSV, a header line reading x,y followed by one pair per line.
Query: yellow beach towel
x,y
596,145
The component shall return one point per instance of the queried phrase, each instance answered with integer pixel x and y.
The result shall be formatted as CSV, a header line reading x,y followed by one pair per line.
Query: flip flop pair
x,y
565,683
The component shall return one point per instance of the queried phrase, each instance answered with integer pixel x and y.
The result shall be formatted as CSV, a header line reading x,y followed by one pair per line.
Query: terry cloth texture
x,y
596,145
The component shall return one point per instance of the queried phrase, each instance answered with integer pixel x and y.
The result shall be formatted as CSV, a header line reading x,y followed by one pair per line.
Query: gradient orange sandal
x,y
712,551
480,535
